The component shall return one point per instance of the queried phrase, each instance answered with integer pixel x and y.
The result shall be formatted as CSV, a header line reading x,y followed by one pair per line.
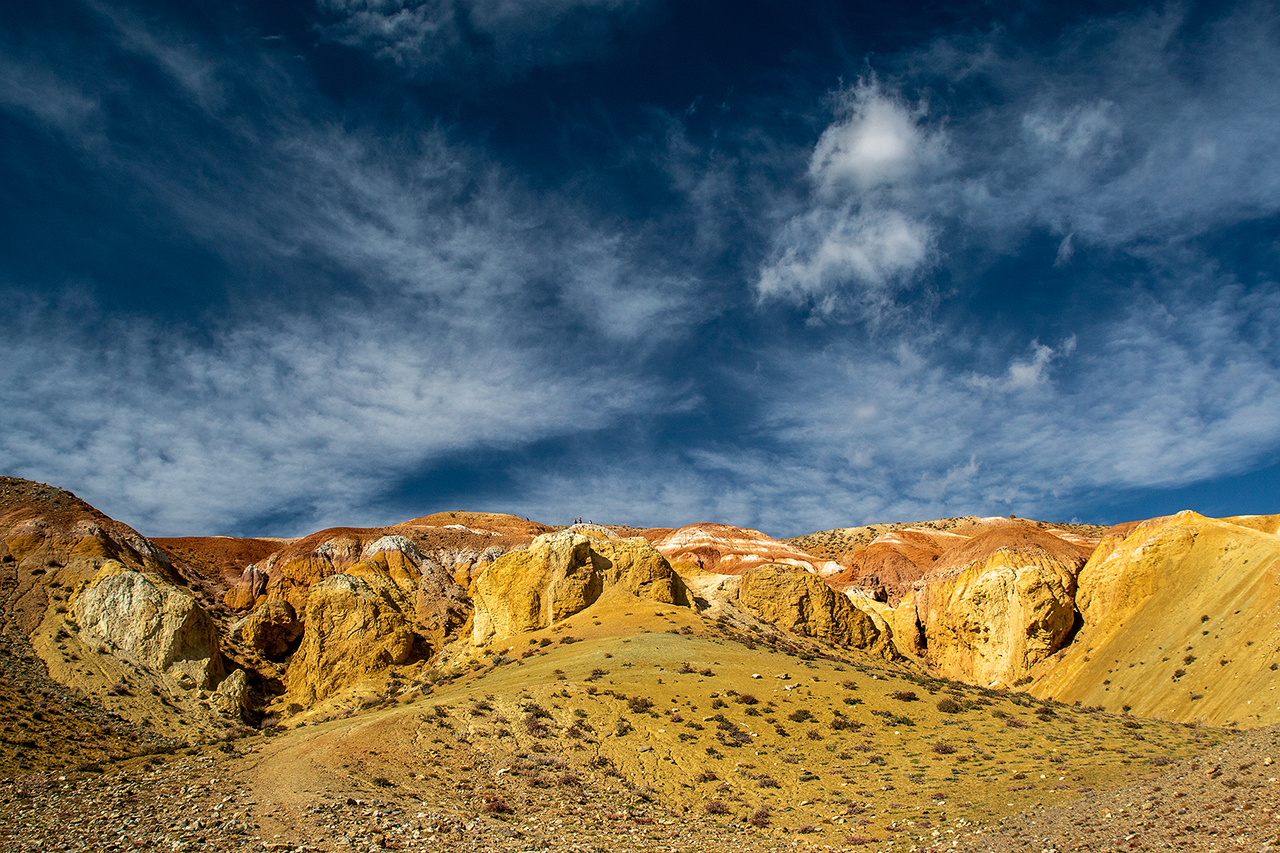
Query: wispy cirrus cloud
x,y
1129,131
387,303
1033,272
496,37
1175,390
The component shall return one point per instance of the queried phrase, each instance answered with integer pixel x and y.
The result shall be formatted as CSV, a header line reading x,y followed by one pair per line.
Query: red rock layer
x,y
730,550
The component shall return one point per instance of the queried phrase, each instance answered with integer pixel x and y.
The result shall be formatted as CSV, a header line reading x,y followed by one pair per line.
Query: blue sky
x,y
274,267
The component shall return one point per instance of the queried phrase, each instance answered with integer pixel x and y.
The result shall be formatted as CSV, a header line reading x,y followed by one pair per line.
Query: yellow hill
x,y
1181,621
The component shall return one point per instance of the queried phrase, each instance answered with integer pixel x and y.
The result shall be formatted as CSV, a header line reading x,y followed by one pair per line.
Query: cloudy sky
x,y
270,267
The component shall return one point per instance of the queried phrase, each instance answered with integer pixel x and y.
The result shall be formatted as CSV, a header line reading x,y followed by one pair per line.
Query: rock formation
x,y
151,622
1000,603
563,573
249,589
272,630
387,608
107,612
796,600
733,550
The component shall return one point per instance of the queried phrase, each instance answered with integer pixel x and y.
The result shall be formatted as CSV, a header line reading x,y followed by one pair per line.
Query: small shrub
x,y
496,805
767,782
905,695
800,715
705,776
943,748
639,704
719,703
947,705
382,782
745,699
857,840
716,807
760,817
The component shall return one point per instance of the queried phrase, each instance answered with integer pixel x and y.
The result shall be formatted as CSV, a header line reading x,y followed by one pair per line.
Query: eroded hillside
x,y
852,687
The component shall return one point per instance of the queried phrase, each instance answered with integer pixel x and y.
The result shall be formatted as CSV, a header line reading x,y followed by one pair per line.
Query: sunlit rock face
x,y
561,574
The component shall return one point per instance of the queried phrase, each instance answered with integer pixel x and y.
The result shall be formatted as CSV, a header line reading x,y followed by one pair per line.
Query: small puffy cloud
x,y
878,140
856,245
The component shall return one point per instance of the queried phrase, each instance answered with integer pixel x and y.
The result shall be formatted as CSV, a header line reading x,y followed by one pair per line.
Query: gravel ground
x,y
202,803
1228,799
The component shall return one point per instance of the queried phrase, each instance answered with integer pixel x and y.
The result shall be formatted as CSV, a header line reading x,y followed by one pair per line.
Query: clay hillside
x,y
477,681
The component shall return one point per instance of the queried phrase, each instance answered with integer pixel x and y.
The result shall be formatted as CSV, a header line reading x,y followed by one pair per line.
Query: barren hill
x,y
475,680
1181,620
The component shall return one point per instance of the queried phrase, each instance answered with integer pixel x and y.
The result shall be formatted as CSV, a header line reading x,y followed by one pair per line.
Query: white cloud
x,y
1026,374
417,300
825,249
1182,386
175,437
1131,131
1122,138
877,141
856,246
